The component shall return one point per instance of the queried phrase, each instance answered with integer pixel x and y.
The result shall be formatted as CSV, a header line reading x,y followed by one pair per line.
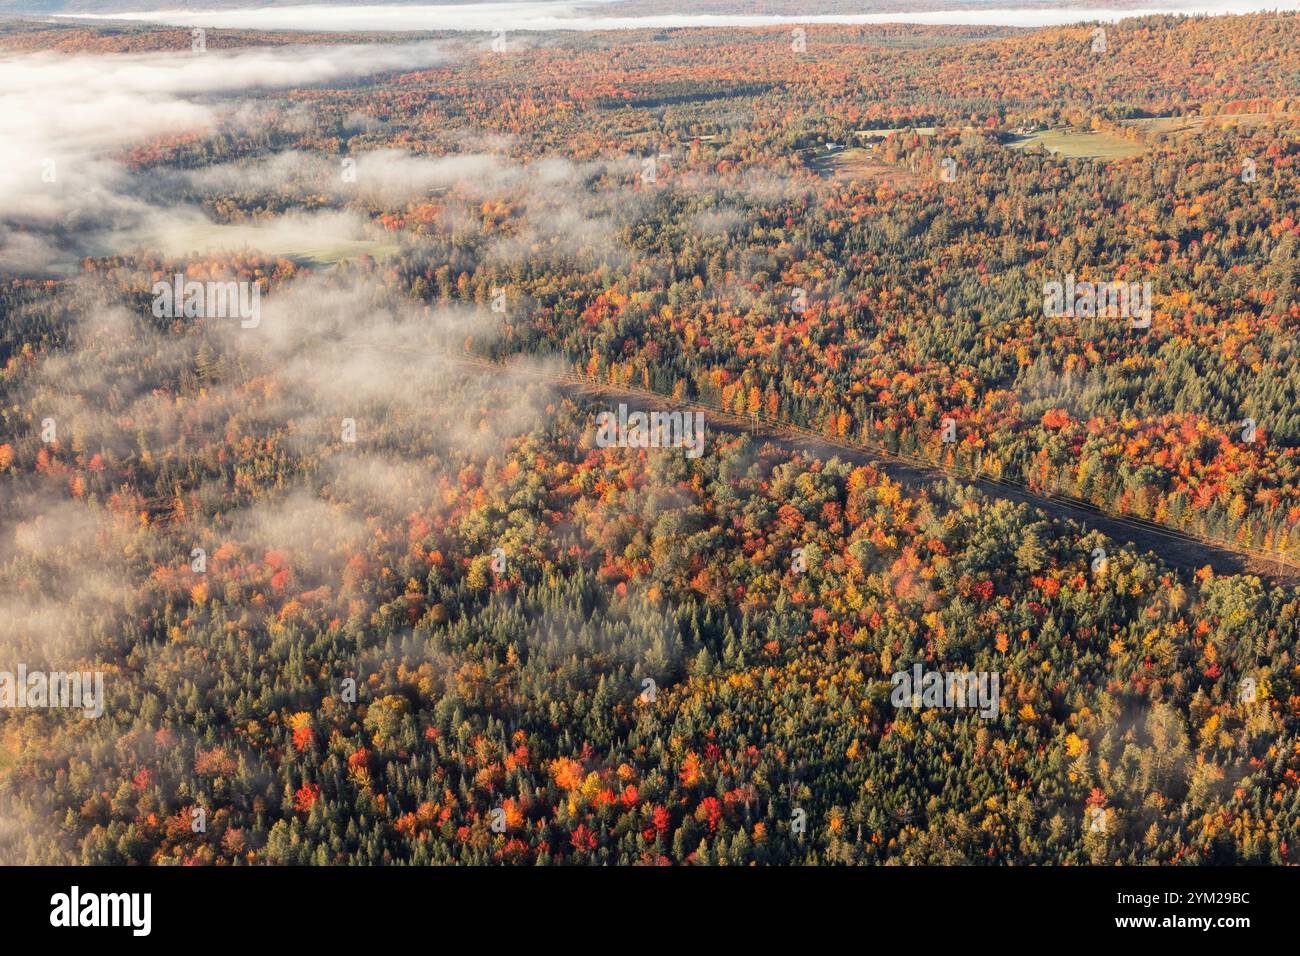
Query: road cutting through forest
x,y
1185,552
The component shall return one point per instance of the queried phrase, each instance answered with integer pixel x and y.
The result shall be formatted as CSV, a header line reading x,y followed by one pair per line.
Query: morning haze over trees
x,y
365,588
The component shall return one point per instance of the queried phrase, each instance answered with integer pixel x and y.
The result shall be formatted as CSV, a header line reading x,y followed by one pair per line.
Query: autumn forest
x,y
367,584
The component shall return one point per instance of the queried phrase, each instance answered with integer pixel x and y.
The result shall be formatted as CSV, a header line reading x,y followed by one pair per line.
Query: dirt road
x,y
1181,551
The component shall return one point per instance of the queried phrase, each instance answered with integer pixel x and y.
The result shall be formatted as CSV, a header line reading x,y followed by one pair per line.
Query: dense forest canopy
x,y
358,599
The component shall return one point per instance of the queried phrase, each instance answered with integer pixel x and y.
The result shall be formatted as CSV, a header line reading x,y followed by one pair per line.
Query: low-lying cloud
x,y
64,119
532,15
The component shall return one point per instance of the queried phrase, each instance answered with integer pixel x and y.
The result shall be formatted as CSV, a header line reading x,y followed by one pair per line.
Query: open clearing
x,y
1075,143
1156,125
325,248
319,251
861,165
876,134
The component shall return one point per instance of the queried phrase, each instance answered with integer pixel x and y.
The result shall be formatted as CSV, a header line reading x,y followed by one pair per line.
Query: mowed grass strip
x,y
1080,144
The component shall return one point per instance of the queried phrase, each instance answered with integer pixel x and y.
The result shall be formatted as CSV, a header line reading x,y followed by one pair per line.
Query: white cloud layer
x,y
543,16
63,117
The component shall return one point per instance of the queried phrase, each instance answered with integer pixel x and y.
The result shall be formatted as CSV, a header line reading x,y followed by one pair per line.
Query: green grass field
x,y
1080,144
279,239
1187,124
318,251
